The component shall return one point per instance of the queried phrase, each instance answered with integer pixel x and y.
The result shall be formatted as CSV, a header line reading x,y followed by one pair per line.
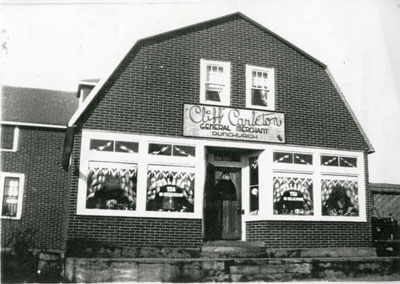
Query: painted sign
x,y
233,123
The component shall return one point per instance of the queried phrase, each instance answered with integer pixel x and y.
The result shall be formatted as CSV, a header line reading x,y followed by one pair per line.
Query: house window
x,y
111,186
12,186
260,87
9,138
170,189
215,82
254,186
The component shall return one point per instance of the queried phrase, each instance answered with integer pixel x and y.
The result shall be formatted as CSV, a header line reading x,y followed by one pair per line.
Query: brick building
x,y
220,130
33,183
217,131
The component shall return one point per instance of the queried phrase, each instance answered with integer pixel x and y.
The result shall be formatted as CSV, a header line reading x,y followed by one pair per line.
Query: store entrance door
x,y
223,209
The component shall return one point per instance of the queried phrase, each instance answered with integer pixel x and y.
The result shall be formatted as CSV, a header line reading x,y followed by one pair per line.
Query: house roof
x,y
37,107
385,188
199,26
170,34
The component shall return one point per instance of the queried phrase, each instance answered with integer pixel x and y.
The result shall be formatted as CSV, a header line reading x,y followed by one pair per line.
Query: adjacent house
x,y
33,184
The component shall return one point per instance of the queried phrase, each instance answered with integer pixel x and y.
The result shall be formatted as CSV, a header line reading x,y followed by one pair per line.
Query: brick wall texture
x,y
145,96
44,202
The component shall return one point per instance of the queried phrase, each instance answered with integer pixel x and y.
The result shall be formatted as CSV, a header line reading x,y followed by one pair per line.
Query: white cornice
x,y
33,124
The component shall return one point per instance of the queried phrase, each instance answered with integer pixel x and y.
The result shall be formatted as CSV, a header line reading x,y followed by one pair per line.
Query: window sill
x,y
141,214
305,218
260,108
10,218
214,103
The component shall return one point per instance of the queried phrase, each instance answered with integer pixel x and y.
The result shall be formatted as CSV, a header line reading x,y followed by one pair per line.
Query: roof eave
x,y
370,148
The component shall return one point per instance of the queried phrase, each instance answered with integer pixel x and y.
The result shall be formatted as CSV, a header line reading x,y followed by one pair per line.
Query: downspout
x,y
68,146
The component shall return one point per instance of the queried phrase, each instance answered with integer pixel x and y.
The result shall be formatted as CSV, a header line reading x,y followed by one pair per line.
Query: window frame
x,y
21,176
143,160
226,96
317,172
271,72
15,139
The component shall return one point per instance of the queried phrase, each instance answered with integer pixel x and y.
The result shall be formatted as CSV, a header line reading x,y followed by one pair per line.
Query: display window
x,y
339,197
293,195
111,186
136,175
148,176
170,189
308,184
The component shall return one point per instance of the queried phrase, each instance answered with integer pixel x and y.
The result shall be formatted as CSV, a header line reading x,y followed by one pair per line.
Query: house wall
x,y
45,189
145,96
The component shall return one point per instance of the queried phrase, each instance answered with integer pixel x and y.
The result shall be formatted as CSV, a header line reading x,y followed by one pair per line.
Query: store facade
x,y
218,131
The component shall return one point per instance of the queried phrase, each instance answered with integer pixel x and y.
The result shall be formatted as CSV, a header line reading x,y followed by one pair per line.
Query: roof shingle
x,y
40,106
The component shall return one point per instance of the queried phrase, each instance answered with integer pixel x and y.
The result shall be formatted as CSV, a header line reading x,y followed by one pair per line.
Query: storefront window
x,y
254,186
114,146
293,196
170,188
292,158
174,150
339,197
126,147
111,186
338,161
102,145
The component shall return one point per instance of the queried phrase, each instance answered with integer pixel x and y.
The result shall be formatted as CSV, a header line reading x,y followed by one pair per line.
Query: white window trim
x,y
271,72
317,172
143,161
15,142
21,177
266,170
226,97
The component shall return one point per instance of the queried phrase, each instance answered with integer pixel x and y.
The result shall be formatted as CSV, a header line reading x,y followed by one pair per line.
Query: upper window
x,y
9,138
292,158
114,146
215,82
172,150
260,87
12,186
339,161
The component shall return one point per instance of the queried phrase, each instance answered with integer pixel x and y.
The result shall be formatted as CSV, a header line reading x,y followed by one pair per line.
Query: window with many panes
x,y
129,175
260,87
318,185
12,187
9,137
215,82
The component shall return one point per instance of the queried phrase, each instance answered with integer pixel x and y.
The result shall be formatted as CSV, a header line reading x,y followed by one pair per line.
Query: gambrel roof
x,y
199,27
